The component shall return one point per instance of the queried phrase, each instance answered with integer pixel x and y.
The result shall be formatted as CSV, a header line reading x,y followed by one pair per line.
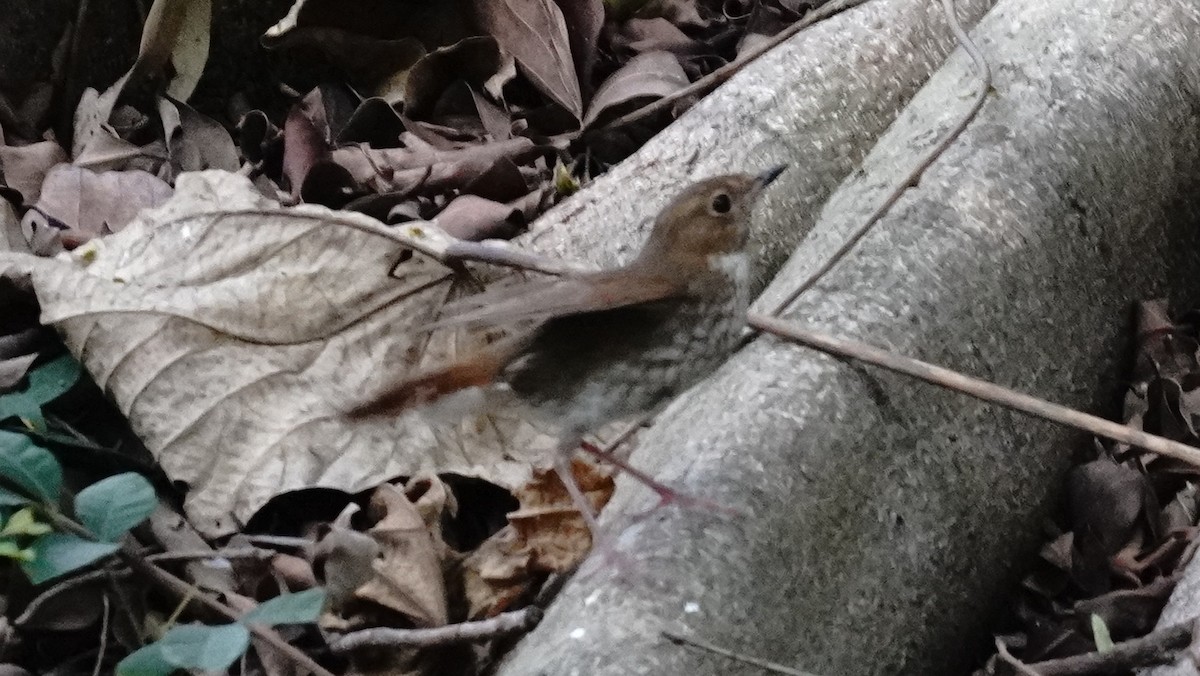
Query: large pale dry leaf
x,y
232,333
645,77
535,33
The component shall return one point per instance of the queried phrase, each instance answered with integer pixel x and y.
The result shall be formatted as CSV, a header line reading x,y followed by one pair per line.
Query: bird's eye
x,y
721,204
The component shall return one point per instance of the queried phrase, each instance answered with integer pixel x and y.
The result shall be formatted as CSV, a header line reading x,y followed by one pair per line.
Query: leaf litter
x,y
1132,518
222,277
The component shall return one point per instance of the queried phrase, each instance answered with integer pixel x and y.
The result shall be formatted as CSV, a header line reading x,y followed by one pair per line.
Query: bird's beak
x,y
764,179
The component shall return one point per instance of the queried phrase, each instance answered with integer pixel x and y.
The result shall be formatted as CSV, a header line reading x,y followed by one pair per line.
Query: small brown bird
x,y
615,343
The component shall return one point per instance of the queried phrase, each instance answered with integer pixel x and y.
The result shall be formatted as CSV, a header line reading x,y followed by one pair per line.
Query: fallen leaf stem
x,y
975,387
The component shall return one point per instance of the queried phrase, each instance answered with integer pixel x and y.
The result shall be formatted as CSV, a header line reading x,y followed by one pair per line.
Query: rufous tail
x,y
478,370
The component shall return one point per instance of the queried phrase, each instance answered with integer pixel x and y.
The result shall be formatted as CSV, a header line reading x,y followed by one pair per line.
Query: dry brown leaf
x,y
548,525
408,571
644,78
1106,503
196,142
176,33
584,19
474,218
535,33
25,167
92,204
231,332
426,171
496,575
638,36
97,144
477,61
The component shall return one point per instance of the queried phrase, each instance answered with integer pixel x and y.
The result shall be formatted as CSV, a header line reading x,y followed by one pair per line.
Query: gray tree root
x,y
887,520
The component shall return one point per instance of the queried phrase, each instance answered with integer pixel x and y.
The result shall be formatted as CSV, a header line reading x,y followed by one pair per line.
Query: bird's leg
x,y
562,465
666,494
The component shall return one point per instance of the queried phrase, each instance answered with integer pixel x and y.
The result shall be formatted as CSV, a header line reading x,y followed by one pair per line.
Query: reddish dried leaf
x,y
93,204
496,575
1106,502
426,170
653,35
535,33
25,167
477,61
548,525
474,218
196,142
646,77
584,19
305,139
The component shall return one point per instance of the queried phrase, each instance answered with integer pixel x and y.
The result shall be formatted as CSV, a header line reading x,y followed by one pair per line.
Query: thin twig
x,y
103,635
975,387
985,86
710,82
748,659
1158,647
1007,658
518,621
182,590
203,555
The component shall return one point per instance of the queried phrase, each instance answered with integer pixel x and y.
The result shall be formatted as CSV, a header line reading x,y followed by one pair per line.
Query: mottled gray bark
x,y
889,519
817,102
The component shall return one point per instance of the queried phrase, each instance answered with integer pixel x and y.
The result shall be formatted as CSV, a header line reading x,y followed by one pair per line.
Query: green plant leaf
x,y
146,661
200,646
30,466
58,553
110,507
52,379
46,383
11,499
1100,635
299,608
24,523
10,550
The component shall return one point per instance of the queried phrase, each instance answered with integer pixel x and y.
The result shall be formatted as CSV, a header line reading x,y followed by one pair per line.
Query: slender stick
x,y
181,589
517,621
975,387
1156,648
725,652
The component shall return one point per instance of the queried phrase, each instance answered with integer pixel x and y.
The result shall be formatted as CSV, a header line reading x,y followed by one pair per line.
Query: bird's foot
x,y
667,495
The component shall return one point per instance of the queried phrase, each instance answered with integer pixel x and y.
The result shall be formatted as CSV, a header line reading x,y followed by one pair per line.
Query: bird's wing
x,y
546,298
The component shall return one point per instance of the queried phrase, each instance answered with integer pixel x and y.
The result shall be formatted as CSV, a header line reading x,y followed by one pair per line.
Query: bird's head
x,y
709,218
